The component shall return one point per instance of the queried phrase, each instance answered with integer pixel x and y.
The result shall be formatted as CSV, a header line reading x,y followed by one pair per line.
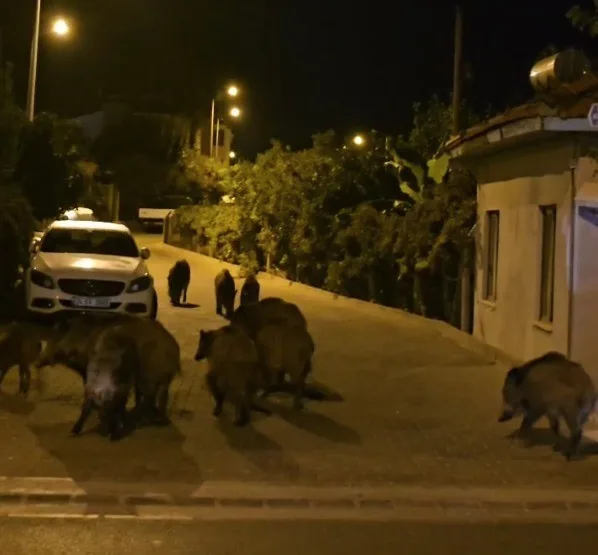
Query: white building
x,y
537,232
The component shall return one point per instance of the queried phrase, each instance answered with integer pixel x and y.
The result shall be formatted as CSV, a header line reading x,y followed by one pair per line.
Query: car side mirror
x,y
145,253
34,246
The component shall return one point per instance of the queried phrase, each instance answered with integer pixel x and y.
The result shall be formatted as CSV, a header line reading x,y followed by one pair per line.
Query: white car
x,y
85,266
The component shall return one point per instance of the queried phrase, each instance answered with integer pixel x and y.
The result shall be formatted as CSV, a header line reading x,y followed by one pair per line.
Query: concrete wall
x,y
584,278
516,182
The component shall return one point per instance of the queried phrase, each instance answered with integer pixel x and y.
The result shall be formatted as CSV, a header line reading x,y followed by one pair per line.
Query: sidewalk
x,y
418,410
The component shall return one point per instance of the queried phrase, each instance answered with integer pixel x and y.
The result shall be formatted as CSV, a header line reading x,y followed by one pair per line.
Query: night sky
x,y
304,66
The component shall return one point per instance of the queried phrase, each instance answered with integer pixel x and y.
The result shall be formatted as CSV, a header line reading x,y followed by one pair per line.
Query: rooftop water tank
x,y
559,69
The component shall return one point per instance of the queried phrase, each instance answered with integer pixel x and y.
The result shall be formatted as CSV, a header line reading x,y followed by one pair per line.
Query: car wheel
x,y
154,311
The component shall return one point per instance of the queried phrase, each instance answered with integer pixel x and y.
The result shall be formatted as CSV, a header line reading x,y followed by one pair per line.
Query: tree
x,y
584,19
432,126
47,168
144,152
381,223
16,231
12,120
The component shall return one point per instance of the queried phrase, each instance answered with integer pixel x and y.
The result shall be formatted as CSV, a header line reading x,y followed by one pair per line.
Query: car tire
x,y
154,310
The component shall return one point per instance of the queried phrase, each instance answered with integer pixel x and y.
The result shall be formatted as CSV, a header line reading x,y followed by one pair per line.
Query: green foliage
x,y
147,154
16,231
47,166
584,19
432,126
377,223
12,119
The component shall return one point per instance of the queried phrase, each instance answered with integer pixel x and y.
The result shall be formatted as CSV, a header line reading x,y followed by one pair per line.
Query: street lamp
x,y
60,28
232,154
358,140
235,112
232,91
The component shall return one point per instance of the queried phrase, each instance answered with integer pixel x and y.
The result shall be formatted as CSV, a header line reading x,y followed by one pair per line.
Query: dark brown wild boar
x,y
233,370
552,386
225,294
110,376
250,292
21,345
285,350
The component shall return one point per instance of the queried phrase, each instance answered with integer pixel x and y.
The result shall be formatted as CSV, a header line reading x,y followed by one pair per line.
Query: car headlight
x,y
139,284
42,280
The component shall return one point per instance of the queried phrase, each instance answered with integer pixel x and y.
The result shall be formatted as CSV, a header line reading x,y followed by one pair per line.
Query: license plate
x,y
86,302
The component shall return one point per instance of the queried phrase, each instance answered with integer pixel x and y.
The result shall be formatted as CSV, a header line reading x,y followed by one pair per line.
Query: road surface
x,y
416,409
38,537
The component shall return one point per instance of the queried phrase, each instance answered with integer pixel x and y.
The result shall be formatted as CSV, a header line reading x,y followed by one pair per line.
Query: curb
x,y
64,498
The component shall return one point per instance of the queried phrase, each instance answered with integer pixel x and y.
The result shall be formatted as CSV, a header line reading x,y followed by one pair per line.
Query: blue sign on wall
x,y
593,115
589,214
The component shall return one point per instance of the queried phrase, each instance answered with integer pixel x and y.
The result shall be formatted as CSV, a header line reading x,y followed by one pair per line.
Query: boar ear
x,y
202,333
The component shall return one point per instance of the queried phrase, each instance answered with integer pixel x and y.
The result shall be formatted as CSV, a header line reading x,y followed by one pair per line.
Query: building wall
x,y
516,183
584,278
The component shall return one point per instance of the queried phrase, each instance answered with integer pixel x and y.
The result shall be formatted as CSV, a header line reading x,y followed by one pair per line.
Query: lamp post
x,y
60,28
234,113
232,91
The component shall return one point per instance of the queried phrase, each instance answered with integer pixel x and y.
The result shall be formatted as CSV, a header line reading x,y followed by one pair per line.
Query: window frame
x,y
546,266
492,234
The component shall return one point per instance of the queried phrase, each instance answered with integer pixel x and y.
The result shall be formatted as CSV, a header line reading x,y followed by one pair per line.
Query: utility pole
x,y
33,63
466,258
458,59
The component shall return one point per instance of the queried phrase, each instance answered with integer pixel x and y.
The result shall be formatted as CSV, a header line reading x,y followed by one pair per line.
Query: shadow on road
x,y
317,424
149,454
187,305
16,404
259,450
544,437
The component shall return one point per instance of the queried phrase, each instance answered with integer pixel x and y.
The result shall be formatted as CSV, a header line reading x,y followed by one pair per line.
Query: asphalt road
x,y
37,537
407,407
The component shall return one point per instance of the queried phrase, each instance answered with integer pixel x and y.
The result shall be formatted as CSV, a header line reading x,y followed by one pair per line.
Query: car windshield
x,y
87,241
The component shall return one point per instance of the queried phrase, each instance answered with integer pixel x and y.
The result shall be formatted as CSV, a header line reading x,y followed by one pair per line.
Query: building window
x,y
548,215
492,230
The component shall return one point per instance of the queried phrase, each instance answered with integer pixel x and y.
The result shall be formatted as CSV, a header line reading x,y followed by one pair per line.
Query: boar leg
x,y
24,378
242,415
217,394
86,411
575,425
3,372
529,419
185,294
299,388
116,427
162,404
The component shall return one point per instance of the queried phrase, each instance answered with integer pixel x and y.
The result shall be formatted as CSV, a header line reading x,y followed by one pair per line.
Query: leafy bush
x,y
16,232
375,223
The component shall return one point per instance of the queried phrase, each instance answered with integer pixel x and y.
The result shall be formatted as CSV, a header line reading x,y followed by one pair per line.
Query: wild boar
x,y
233,370
111,373
250,292
554,386
225,294
179,278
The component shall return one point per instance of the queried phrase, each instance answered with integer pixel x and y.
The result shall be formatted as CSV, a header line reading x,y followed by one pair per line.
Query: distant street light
x,y
235,112
61,28
358,140
232,154
232,91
